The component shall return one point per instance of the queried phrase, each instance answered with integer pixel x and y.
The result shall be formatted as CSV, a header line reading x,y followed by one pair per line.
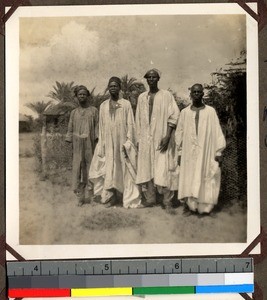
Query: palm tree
x,y
126,84
63,92
135,89
97,99
38,107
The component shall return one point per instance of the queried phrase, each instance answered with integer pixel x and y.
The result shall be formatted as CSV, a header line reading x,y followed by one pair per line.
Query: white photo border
x,y
131,250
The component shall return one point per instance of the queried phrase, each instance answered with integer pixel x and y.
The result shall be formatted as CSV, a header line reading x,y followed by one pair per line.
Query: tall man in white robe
x,y
156,118
201,141
116,151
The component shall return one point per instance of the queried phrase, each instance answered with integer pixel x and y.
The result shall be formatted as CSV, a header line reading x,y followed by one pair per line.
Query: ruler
x,y
79,278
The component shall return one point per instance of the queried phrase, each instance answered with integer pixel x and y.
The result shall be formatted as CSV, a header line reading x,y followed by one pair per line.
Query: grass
x,y
49,215
110,219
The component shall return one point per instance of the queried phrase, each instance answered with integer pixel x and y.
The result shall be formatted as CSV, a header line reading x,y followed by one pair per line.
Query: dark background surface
x,y
261,268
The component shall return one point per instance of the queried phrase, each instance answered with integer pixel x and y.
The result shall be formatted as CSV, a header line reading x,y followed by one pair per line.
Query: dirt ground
x,y
49,215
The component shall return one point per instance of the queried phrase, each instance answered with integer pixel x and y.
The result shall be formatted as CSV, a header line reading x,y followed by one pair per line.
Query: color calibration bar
x,y
85,278
125,285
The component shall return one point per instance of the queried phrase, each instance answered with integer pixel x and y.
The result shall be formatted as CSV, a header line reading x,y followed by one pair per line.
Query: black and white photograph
x,y
132,130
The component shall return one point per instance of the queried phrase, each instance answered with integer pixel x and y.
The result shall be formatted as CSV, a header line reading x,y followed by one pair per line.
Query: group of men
x,y
159,152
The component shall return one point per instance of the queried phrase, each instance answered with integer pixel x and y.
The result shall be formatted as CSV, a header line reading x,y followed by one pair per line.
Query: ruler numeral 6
x,y
177,266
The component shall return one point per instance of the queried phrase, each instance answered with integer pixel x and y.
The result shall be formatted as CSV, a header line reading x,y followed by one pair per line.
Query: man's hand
x,y
163,146
219,160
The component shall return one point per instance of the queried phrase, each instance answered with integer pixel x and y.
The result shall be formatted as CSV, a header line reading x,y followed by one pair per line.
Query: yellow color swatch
x,y
125,291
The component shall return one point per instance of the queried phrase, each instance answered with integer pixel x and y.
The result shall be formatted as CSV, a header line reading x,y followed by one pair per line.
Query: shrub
x,y
58,160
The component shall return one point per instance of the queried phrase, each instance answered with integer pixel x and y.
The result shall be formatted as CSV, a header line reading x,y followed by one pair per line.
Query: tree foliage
x,y
97,99
38,106
181,103
227,94
63,92
126,83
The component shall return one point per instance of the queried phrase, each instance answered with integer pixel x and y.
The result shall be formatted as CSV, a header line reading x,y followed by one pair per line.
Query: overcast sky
x,y
89,50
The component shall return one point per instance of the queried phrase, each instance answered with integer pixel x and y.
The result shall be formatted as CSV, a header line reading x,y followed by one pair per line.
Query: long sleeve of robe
x,y
152,164
83,134
200,174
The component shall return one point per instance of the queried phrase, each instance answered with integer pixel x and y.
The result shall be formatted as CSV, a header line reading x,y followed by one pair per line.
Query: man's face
x,y
152,78
82,96
114,88
197,93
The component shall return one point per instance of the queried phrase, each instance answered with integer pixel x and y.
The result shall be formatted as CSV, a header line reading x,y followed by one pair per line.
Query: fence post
x,y
44,148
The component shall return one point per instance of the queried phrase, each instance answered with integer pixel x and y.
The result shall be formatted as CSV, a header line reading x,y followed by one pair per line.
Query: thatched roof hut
x,y
59,109
54,114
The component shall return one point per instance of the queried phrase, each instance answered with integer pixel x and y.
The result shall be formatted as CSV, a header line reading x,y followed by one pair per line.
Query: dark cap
x,y
115,79
81,87
153,70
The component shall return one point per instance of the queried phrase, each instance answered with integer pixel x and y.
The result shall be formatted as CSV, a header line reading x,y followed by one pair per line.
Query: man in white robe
x,y
109,170
156,118
201,141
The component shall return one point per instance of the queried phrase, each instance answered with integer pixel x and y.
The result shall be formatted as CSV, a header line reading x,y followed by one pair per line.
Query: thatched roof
x,y
59,109
23,118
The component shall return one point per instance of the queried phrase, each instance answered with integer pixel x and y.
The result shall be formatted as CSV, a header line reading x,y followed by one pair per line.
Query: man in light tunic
x,y
83,134
156,118
115,148
201,142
